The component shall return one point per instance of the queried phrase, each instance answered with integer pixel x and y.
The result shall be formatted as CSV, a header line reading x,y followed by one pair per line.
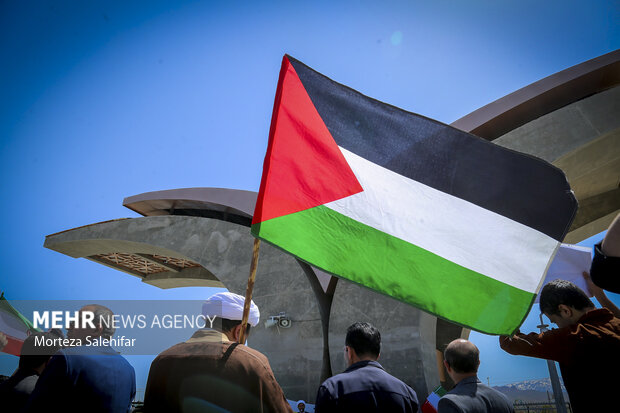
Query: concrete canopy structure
x,y
200,237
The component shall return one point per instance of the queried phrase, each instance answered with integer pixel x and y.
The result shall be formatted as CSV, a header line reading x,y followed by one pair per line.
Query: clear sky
x,y
100,100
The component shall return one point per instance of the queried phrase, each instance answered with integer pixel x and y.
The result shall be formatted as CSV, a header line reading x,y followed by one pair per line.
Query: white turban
x,y
230,306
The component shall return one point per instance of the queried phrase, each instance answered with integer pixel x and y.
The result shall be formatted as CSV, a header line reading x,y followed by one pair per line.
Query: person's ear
x,y
236,333
565,311
447,366
351,355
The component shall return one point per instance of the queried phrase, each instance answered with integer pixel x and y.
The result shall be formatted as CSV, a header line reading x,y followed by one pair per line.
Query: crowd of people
x,y
213,372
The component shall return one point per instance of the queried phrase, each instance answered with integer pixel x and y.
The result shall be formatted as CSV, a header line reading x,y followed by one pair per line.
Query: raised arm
x,y
611,243
600,295
550,345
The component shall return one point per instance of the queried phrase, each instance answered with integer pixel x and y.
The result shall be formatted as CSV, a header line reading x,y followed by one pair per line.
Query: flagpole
x,y
248,291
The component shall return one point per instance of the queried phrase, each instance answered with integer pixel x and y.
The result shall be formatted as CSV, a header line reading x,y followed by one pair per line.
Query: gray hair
x,y
103,317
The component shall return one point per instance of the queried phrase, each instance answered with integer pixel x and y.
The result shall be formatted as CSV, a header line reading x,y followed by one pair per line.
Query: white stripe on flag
x,y
457,230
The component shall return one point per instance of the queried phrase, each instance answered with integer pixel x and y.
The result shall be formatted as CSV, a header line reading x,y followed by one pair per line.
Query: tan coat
x,y
209,372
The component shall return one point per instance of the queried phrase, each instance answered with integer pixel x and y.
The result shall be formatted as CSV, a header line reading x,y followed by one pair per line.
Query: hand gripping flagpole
x,y
248,291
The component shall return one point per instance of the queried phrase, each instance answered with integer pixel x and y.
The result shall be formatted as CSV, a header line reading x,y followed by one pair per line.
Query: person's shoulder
x,y
177,349
448,403
126,364
395,380
250,352
493,393
86,356
332,382
82,350
336,378
598,318
489,389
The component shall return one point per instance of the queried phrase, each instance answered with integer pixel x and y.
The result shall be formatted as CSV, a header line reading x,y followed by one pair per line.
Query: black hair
x,y
227,325
463,358
364,338
37,349
103,317
562,292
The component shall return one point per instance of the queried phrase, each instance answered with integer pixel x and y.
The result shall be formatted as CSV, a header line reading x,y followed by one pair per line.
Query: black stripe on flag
x,y
518,186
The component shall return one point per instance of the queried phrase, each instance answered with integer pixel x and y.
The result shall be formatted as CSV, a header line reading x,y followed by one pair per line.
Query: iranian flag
x,y
407,206
432,401
14,326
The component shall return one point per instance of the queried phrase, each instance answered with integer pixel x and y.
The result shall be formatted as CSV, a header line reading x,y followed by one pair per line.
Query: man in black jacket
x,y
365,386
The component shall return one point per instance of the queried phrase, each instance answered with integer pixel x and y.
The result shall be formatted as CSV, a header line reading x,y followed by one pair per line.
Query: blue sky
x,y
105,99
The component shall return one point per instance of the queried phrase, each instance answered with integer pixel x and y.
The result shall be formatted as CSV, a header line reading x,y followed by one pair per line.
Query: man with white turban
x,y
212,371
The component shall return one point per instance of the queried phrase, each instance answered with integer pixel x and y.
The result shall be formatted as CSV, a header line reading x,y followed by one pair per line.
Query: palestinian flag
x,y
407,206
432,401
15,326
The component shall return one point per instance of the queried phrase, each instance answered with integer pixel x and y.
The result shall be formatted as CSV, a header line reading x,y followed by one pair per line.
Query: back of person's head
x,y
564,292
364,338
104,318
463,356
225,325
37,349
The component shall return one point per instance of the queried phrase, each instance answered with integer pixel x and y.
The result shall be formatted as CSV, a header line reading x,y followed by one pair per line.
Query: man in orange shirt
x,y
586,344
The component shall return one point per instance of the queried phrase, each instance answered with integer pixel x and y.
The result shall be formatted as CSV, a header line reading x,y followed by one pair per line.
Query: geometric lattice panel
x,y
177,262
142,265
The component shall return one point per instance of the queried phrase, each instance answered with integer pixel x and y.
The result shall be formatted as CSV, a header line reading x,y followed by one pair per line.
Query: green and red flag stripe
x,y
408,206
15,326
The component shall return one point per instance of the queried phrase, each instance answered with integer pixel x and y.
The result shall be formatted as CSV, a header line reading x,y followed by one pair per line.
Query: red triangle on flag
x,y
304,166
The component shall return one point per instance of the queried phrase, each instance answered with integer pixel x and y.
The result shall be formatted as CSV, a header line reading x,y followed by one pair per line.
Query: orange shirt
x,y
588,353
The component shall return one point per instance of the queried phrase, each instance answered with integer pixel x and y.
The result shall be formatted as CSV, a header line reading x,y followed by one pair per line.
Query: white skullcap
x,y
230,306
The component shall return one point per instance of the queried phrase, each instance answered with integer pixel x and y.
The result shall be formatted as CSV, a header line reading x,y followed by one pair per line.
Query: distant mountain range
x,y
538,390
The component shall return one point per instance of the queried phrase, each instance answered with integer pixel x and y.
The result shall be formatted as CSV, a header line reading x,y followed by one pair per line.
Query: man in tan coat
x,y
212,371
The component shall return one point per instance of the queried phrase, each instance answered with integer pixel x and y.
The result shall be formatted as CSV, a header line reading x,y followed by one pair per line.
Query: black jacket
x,y
365,387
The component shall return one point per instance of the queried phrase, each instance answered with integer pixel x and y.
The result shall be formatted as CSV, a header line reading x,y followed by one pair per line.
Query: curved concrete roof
x,y
109,243
232,205
544,96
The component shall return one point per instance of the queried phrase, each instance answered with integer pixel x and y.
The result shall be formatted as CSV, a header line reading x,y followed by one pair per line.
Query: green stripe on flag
x,y
340,245
9,309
